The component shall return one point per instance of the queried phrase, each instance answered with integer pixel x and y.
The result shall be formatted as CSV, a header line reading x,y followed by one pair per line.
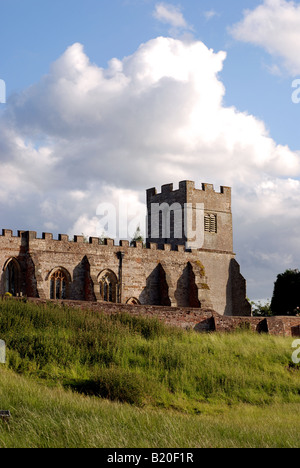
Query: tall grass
x,y
140,361
53,417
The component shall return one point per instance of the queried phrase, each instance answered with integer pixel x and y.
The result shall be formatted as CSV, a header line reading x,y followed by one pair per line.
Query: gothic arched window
x,y
108,286
12,273
133,301
59,285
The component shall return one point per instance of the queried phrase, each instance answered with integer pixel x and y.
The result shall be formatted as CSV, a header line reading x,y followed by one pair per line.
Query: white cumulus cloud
x,y
85,135
275,26
171,15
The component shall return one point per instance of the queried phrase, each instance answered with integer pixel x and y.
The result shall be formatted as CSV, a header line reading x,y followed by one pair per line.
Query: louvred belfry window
x,y
210,223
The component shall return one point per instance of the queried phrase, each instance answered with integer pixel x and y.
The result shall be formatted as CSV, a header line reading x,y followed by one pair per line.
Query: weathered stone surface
x,y
163,272
201,320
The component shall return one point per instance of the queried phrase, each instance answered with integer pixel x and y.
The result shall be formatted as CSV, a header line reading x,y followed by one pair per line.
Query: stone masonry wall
x,y
204,320
210,279
170,271
211,201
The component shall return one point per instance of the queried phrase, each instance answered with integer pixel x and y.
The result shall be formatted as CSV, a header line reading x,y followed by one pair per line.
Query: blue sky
x,y
34,33
58,125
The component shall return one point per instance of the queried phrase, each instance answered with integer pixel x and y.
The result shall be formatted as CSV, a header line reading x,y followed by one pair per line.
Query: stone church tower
x,y
187,261
199,219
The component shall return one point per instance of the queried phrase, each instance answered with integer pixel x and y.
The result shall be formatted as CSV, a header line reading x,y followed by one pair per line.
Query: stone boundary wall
x,y
202,320
279,325
198,319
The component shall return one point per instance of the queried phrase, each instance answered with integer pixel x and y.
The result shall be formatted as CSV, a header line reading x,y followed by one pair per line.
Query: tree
x,y
261,310
137,237
286,295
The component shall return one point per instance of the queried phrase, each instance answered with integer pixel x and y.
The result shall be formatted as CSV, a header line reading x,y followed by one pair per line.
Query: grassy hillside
x,y
167,387
45,417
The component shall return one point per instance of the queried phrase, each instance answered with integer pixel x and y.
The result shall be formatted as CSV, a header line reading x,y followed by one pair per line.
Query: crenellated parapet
x,y
188,185
100,243
195,217
166,270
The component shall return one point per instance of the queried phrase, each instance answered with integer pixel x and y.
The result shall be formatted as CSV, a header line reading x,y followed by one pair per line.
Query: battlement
x,y
185,186
187,260
91,241
174,216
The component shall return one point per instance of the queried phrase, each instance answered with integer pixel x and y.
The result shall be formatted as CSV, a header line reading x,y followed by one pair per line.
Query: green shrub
x,y
114,384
